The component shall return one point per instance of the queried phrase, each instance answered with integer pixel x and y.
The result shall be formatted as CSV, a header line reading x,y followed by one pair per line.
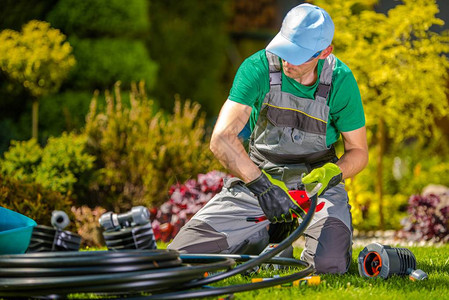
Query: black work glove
x,y
274,199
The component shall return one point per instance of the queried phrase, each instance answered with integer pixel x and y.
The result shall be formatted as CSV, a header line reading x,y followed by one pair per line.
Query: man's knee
x,y
326,264
198,237
329,246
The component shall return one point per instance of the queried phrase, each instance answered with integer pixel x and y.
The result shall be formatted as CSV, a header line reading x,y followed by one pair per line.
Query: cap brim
x,y
288,51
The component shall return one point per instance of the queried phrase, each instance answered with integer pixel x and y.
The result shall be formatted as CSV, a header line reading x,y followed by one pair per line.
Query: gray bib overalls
x,y
289,139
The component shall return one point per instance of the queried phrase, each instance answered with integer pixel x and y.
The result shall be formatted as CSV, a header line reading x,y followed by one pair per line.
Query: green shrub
x,y
61,166
33,200
21,160
64,163
101,17
141,153
102,62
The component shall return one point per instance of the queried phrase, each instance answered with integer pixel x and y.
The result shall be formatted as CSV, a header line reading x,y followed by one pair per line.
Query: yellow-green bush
x,y
365,206
59,166
39,57
21,160
141,152
407,170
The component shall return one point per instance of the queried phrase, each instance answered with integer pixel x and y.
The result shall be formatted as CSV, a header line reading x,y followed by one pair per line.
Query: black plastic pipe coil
x,y
163,273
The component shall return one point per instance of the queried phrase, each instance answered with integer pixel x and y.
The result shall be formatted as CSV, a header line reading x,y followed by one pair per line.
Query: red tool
x,y
302,197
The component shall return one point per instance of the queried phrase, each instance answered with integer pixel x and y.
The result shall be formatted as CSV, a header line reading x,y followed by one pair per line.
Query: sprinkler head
x,y
138,215
129,230
377,260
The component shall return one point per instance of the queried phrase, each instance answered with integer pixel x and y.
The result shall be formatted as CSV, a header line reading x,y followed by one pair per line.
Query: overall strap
x,y
275,71
325,84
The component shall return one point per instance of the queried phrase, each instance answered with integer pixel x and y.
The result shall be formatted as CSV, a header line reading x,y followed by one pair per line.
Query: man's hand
x,y
328,175
274,199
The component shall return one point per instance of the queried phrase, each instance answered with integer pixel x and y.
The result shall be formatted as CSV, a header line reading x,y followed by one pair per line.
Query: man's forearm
x,y
228,149
352,162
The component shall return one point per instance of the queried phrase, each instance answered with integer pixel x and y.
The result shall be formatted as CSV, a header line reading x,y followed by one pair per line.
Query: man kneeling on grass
x,y
299,98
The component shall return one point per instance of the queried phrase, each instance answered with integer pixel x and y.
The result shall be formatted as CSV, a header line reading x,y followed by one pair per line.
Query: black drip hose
x,y
160,272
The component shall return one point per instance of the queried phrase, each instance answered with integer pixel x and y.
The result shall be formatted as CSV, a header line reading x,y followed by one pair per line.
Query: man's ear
x,y
326,52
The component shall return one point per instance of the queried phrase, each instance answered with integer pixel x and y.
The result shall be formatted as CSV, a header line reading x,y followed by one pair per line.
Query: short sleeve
x,y
249,82
346,109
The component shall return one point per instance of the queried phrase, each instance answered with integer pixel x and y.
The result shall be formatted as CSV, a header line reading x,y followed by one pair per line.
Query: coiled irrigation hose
x,y
163,273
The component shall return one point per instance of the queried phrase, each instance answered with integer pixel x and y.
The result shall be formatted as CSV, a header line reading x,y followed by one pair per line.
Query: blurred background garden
x,y
109,104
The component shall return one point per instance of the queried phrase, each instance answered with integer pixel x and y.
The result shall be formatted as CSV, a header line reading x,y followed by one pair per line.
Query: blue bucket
x,y
15,232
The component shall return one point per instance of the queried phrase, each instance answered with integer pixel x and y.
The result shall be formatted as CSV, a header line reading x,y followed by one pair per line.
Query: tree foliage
x,y
398,62
401,68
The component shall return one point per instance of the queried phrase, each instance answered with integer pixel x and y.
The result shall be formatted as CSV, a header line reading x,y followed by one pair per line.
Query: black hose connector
x,y
48,239
377,260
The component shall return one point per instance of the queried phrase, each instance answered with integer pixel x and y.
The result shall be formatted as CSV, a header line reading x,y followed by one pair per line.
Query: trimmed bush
x,y
102,62
38,57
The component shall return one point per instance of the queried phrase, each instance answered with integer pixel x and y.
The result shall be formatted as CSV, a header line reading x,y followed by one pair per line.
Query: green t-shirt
x,y
251,84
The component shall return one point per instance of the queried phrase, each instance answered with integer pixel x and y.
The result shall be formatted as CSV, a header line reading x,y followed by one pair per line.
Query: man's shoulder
x,y
257,57
255,66
257,61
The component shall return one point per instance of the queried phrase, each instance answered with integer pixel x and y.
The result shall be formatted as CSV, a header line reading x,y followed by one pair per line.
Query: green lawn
x,y
433,260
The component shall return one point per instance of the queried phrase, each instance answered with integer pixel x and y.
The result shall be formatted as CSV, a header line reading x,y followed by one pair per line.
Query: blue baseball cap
x,y
306,29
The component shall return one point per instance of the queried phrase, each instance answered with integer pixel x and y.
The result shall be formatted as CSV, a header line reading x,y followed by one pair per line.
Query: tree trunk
x,y
381,140
35,118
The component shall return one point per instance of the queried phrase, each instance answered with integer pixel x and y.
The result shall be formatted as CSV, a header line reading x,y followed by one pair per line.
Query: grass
x,y
432,260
